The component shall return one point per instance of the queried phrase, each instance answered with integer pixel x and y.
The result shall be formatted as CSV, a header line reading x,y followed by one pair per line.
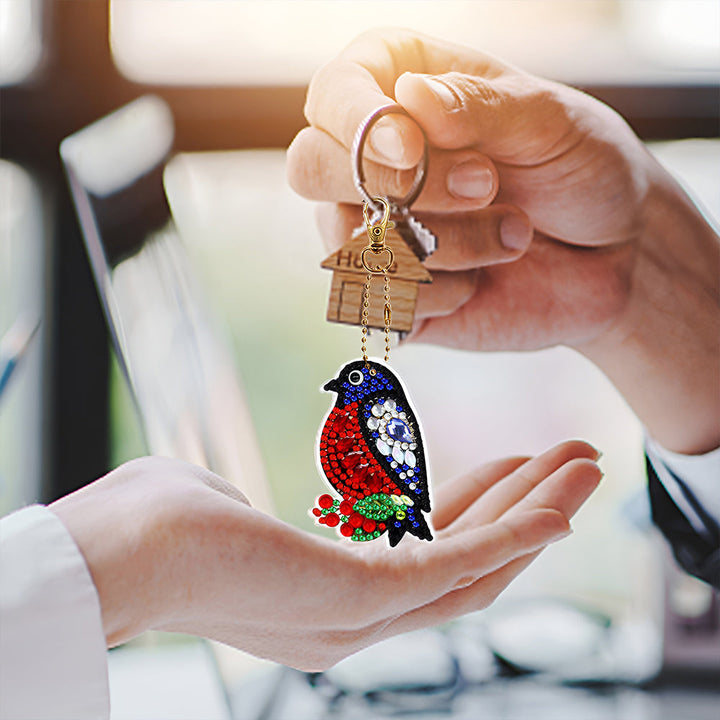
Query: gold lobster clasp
x,y
376,234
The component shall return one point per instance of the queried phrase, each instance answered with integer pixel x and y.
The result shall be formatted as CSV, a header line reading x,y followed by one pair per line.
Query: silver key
x,y
421,239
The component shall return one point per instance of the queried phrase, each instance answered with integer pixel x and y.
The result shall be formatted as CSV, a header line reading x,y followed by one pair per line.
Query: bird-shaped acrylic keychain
x,y
370,446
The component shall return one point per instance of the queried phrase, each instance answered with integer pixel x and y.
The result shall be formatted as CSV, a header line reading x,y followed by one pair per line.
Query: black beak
x,y
331,386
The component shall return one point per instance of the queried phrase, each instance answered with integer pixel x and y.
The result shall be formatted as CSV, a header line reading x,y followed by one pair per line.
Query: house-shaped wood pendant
x,y
348,283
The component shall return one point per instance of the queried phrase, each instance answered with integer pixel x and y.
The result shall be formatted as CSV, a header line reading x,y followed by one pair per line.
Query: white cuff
x,y
699,473
53,657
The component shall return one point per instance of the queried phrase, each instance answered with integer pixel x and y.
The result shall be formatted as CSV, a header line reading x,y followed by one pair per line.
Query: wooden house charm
x,y
348,282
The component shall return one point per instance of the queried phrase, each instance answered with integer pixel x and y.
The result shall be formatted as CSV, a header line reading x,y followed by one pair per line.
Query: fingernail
x,y
562,535
515,232
387,141
447,97
470,180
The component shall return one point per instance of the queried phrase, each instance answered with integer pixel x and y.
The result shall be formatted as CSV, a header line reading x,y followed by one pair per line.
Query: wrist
x,y
123,550
663,354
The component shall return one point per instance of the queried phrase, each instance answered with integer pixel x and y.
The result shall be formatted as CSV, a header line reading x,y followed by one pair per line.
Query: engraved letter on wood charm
x,y
346,292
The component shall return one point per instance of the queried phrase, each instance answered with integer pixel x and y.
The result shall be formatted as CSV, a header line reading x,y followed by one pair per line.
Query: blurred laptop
x,y
172,352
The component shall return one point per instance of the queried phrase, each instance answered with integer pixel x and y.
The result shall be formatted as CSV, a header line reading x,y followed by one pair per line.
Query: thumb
x,y
511,116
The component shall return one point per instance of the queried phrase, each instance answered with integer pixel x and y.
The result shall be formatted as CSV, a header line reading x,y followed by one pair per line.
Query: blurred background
x,y
234,76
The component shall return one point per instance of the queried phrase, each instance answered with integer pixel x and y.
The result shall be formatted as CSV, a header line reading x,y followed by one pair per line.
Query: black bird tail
x,y
422,531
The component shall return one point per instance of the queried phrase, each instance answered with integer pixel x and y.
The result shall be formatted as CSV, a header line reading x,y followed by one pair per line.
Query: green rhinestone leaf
x,y
378,506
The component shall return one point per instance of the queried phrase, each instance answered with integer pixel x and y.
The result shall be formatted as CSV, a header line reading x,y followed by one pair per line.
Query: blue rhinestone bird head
x,y
360,380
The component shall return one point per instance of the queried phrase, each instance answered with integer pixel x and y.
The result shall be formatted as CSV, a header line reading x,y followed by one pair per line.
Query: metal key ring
x,y
357,158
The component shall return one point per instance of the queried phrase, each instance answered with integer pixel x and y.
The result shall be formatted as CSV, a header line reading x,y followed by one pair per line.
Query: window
x,y
210,42
20,39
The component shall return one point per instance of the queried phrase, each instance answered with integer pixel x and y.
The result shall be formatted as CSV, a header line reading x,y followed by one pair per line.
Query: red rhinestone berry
x,y
346,529
332,519
325,501
356,520
317,512
345,507
368,525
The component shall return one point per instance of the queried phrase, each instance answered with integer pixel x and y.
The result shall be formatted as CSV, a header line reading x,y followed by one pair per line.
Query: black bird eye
x,y
355,377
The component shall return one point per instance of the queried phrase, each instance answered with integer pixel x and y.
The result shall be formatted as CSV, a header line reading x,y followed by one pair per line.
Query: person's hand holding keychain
x,y
555,224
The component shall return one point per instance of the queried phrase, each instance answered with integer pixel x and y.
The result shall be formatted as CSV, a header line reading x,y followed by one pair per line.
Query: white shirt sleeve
x,y
699,473
53,657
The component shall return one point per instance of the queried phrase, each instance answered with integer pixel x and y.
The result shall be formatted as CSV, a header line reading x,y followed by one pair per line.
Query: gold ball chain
x,y
377,246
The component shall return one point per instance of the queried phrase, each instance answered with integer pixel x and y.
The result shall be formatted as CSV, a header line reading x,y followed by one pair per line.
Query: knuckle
x,y
469,89
513,534
473,89
297,158
318,83
308,173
